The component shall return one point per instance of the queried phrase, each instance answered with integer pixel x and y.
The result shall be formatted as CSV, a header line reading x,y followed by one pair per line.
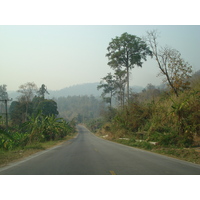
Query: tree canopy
x,y
127,51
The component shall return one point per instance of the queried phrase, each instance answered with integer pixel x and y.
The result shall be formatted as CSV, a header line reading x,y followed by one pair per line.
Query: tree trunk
x,y
171,85
127,69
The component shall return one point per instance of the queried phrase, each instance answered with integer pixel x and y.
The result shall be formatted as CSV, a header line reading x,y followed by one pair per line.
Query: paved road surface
x,y
90,155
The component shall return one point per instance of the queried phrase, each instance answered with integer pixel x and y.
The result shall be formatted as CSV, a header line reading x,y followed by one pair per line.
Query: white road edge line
x,y
12,164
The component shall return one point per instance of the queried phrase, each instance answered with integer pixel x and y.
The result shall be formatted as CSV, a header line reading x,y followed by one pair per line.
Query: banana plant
x,y
38,128
33,127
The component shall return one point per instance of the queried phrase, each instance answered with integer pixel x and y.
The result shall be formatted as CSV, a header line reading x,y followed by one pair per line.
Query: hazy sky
x,y
61,56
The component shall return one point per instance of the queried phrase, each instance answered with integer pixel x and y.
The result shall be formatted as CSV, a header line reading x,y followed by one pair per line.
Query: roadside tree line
x,y
32,119
169,116
129,51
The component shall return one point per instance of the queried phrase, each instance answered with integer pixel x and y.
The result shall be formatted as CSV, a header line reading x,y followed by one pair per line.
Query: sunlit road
x,y
90,155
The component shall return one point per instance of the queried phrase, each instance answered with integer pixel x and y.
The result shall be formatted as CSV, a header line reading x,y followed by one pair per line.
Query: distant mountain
x,y
75,90
85,89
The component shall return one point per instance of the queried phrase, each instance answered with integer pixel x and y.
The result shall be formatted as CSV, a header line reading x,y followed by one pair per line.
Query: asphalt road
x,y
89,155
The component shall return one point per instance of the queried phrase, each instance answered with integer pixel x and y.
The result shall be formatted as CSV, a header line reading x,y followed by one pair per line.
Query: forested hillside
x,y
81,108
76,90
87,89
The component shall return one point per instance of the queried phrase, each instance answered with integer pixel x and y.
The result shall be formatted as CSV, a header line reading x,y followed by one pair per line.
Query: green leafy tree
x,y
38,104
108,85
48,107
127,51
16,112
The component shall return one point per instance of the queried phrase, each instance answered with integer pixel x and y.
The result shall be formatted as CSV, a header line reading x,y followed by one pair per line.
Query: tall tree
x,y
41,92
127,51
120,83
27,91
175,70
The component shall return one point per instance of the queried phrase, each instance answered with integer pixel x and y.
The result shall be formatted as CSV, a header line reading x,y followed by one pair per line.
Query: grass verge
x,y
187,154
17,154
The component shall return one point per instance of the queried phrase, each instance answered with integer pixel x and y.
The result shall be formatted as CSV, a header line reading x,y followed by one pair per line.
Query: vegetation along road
x,y
89,155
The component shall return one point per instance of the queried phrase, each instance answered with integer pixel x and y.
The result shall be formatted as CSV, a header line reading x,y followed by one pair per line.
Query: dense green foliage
x,y
18,112
33,120
124,53
38,128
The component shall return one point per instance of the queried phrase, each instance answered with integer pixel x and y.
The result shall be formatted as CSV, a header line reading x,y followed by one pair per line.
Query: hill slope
x,y
75,90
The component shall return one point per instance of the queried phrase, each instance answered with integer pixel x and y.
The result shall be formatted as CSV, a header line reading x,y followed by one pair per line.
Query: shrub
x,y
175,140
144,145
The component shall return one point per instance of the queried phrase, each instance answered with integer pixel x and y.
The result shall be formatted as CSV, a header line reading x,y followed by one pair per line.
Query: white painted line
x,y
10,165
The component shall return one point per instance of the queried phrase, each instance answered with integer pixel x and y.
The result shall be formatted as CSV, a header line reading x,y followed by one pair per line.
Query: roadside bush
x,y
9,140
39,128
168,140
133,117
144,145
95,124
175,140
155,137
167,119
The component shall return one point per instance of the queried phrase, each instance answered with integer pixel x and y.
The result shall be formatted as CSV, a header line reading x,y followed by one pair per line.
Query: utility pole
x,y
6,106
